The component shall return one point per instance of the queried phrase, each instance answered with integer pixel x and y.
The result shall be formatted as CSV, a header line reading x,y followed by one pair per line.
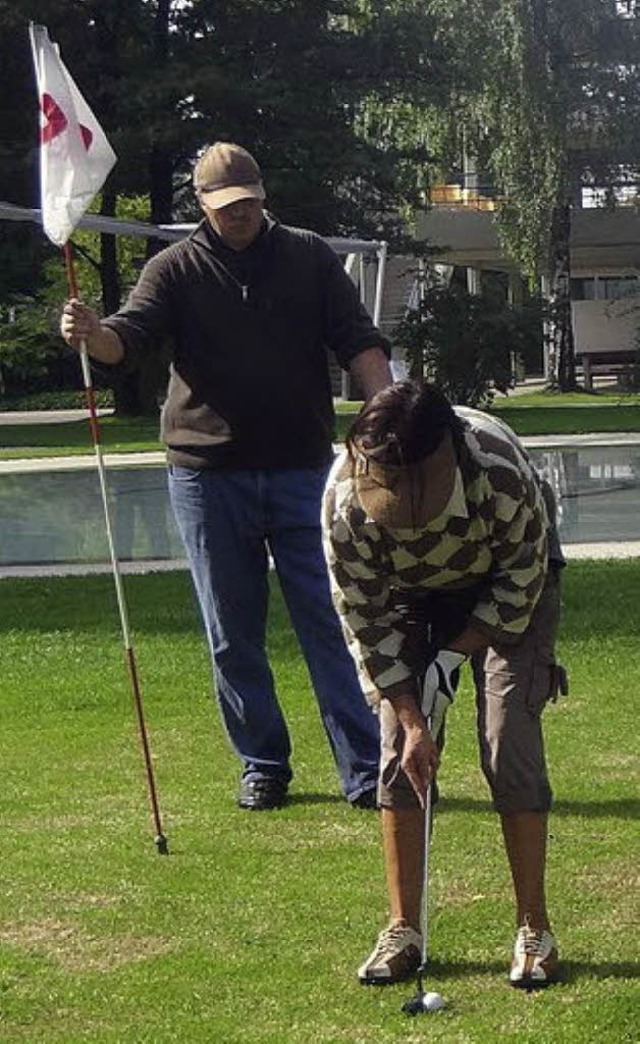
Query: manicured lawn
x,y
119,435
570,418
253,926
542,413
534,414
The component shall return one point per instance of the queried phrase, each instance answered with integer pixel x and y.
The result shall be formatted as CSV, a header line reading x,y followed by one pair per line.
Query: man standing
x,y
441,549
251,308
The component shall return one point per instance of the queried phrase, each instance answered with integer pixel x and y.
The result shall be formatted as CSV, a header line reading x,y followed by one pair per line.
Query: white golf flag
x,y
75,156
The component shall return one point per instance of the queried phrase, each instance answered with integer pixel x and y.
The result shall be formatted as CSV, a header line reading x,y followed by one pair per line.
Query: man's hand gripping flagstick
x,y
75,159
438,690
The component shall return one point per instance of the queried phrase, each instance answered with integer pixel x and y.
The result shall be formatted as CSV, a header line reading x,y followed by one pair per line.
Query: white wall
x,y
606,326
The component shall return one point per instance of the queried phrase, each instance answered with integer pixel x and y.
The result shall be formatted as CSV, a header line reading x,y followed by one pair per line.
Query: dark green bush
x,y
468,344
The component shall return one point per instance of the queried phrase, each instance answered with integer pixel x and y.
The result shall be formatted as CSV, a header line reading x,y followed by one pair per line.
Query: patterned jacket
x,y
492,544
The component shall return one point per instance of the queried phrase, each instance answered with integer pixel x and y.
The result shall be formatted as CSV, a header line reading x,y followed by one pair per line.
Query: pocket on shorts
x,y
544,625
543,685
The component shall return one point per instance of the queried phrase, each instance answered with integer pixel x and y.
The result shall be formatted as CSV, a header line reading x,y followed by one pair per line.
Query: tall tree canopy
x,y
287,78
347,104
295,81
547,98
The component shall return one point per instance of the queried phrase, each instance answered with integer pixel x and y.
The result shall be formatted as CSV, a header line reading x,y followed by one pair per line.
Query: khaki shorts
x,y
513,683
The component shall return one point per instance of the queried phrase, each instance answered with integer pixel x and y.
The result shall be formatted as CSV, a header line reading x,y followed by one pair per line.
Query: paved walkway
x,y
47,416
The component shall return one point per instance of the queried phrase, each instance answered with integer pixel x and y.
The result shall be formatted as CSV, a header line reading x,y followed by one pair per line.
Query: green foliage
x,y
287,78
26,348
466,343
545,97
32,354
545,101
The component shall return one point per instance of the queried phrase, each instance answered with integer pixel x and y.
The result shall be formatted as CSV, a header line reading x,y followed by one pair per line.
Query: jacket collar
x,y
205,236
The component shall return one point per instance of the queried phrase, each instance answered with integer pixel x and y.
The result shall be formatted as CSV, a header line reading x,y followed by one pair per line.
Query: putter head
x,y
413,1006
423,1003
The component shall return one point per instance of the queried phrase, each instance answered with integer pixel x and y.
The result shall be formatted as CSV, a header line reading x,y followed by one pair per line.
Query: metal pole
x,y
160,839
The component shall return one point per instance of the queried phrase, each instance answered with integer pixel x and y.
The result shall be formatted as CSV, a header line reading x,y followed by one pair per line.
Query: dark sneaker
x,y
535,959
395,957
367,799
261,794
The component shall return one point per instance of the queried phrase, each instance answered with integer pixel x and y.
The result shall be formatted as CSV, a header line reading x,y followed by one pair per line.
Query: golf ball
x,y
433,1001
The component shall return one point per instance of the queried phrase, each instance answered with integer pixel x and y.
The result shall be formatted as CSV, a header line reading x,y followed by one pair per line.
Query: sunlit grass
x,y
537,413
252,928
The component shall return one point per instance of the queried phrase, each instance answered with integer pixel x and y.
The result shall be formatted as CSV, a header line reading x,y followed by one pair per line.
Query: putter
x,y
425,1001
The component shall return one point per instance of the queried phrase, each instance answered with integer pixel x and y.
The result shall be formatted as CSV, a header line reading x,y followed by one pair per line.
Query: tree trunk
x,y
139,394
109,274
134,394
560,342
161,161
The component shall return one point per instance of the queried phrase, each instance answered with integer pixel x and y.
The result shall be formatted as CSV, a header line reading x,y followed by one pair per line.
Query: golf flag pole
x,y
94,423
75,159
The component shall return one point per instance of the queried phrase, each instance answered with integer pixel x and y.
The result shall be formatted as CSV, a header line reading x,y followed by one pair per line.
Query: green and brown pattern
x,y
496,543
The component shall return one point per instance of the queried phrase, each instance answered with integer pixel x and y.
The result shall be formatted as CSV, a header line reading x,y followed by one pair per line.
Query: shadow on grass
x,y
314,799
570,971
618,808
574,970
622,808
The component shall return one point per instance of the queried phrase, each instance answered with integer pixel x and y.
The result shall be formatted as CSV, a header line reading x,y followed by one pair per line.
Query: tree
x,y
32,354
465,342
302,83
547,98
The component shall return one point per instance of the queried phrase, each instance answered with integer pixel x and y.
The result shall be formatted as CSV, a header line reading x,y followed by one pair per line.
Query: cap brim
x,y
409,496
223,197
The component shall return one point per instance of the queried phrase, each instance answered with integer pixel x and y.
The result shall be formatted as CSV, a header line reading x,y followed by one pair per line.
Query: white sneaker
x,y
395,957
535,959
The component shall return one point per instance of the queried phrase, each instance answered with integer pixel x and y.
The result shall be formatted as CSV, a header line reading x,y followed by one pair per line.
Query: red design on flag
x,y
57,123
56,119
75,156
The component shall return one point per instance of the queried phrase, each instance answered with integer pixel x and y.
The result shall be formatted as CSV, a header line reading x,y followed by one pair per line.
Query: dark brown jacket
x,y
249,384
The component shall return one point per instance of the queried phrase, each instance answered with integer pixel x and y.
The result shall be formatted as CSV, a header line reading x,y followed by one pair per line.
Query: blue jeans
x,y
229,522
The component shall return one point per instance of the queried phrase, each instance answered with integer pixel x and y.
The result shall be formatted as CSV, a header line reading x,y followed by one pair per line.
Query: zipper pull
x,y
245,293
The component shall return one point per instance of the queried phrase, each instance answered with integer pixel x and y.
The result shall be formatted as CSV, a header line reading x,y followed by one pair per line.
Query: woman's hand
x,y
420,758
420,755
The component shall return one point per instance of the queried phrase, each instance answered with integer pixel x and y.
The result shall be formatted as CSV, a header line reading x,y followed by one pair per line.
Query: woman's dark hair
x,y
402,423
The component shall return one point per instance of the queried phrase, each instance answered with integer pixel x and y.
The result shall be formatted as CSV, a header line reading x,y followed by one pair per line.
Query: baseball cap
x,y
411,495
226,173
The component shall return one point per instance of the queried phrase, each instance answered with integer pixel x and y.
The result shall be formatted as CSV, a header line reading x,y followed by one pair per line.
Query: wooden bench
x,y
616,362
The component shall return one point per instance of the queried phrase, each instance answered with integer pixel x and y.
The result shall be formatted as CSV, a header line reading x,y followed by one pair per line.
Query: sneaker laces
x,y
531,941
391,941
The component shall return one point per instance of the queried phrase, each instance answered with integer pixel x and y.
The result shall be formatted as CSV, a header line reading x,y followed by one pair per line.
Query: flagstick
x,y
160,839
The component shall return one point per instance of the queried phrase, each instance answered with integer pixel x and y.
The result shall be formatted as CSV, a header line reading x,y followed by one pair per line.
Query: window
x,y
615,287
604,288
583,289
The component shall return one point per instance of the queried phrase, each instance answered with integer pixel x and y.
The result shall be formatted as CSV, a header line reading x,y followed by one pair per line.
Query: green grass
x,y
546,413
71,438
528,416
533,414
252,928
